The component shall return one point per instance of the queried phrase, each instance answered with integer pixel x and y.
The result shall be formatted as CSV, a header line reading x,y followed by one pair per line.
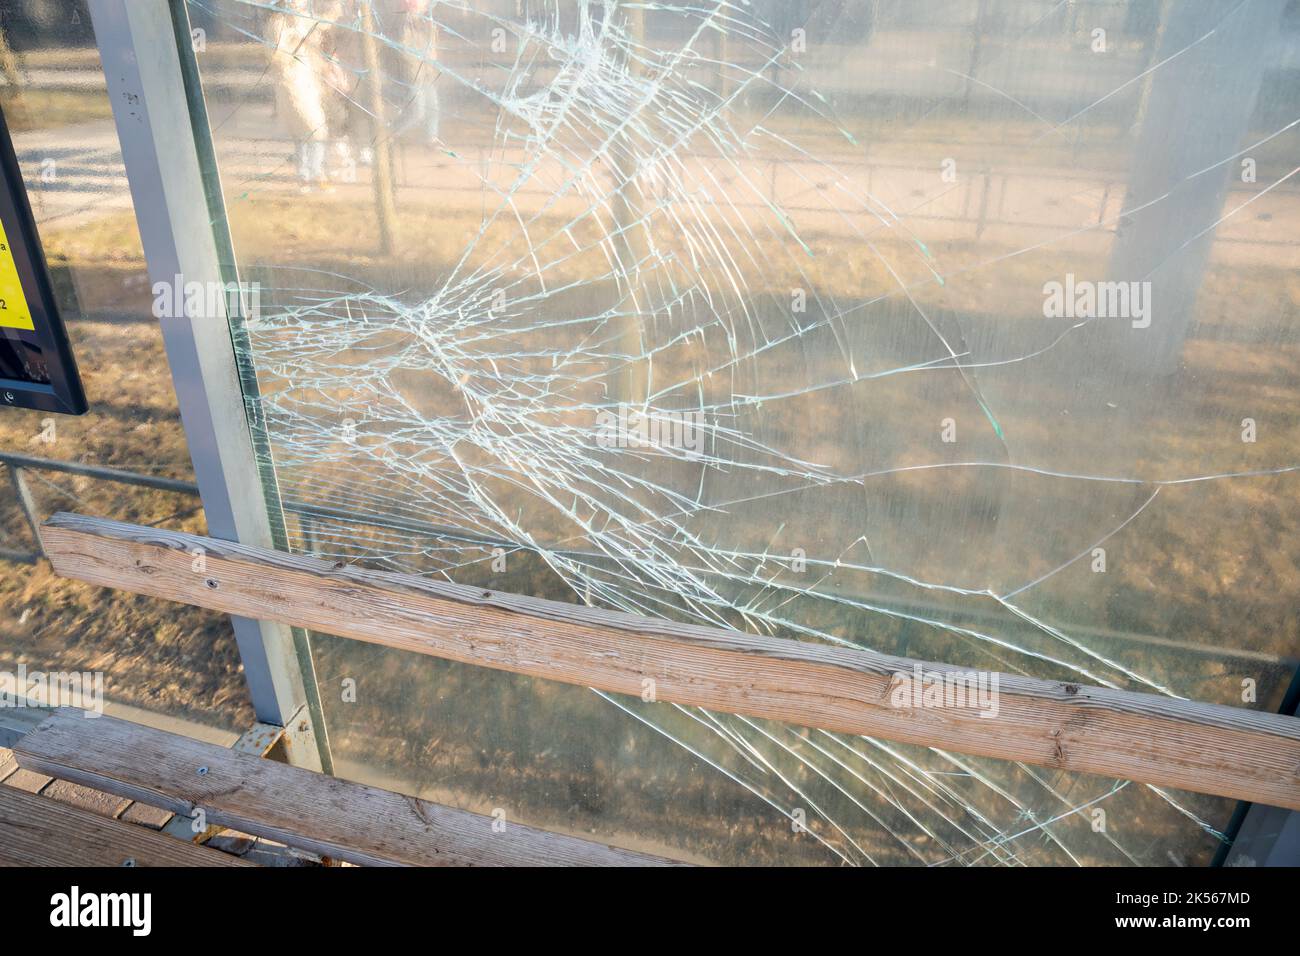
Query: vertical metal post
x,y
27,504
1268,836
382,172
141,59
1196,111
629,380
1261,835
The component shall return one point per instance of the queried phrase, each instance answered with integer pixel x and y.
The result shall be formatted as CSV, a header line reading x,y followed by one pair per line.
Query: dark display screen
x,y
37,369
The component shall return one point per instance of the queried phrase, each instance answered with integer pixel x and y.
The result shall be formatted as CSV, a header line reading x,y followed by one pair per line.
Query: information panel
x,y
37,369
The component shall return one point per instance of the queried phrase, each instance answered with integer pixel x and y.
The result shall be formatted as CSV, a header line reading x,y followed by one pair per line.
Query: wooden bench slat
x,y
38,831
1209,748
326,815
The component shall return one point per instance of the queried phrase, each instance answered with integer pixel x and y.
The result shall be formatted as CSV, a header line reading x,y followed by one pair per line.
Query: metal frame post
x,y
1263,835
142,65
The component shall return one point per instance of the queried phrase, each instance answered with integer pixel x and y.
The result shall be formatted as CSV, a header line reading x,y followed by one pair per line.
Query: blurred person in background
x,y
304,71
350,124
419,71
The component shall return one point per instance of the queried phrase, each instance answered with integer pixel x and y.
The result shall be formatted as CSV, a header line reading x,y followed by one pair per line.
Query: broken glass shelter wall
x,y
958,329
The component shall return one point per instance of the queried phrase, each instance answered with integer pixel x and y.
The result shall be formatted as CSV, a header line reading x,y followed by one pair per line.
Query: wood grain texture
x,y
38,831
326,815
1228,751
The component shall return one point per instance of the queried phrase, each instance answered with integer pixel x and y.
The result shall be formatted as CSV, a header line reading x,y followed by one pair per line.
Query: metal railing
x,y
19,465
308,514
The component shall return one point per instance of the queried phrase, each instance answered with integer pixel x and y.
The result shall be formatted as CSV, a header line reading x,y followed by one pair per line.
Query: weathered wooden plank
x,y
1209,748
37,831
326,815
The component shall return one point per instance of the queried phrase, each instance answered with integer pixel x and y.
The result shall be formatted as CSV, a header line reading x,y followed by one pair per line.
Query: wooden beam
x,y
1209,748
38,831
336,818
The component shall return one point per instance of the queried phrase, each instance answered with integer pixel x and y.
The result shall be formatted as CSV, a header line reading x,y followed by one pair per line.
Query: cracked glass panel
x,y
965,331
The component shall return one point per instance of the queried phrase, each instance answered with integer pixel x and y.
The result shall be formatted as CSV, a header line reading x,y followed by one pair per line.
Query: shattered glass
x,y
961,330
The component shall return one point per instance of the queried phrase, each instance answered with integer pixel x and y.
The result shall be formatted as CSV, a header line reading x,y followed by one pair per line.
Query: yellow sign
x,y
14,313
